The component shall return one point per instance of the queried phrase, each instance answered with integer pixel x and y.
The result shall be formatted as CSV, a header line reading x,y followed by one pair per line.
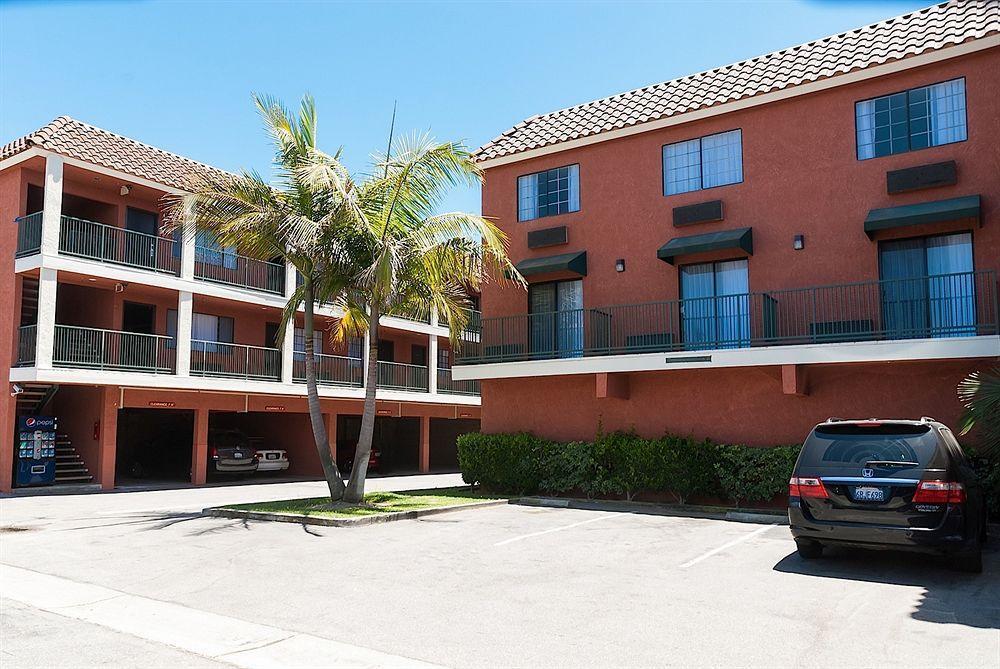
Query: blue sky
x,y
179,75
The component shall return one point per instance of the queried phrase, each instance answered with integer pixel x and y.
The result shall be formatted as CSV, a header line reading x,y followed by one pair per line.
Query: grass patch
x,y
375,503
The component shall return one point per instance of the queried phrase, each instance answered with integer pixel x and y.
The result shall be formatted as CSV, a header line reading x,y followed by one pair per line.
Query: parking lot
x,y
501,586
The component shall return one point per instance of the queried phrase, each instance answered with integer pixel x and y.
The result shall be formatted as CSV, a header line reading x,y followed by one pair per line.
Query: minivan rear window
x,y
852,444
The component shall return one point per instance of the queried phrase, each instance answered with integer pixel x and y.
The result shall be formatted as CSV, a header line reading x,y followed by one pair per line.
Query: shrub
x,y
567,466
687,467
625,464
988,470
749,474
508,462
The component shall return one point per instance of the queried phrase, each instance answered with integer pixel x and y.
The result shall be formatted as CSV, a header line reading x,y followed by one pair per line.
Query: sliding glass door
x,y
928,286
715,305
556,318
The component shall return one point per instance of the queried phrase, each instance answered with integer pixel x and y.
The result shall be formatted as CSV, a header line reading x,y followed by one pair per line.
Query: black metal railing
x,y
331,370
402,376
235,361
29,234
233,269
951,305
113,350
119,246
450,386
26,338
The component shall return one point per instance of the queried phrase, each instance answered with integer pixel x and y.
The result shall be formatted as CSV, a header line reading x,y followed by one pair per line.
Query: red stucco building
x,y
139,341
743,252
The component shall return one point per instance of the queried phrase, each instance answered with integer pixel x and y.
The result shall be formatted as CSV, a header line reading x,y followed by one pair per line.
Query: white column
x,y
52,204
287,352
45,330
365,356
290,278
432,362
185,311
188,248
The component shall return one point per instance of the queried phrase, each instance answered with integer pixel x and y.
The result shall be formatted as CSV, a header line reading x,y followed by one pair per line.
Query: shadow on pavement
x,y
949,596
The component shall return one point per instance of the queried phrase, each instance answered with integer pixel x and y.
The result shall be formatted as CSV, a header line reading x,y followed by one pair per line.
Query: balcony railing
x,y
448,385
26,345
233,269
112,350
401,376
119,246
29,234
331,370
951,305
235,361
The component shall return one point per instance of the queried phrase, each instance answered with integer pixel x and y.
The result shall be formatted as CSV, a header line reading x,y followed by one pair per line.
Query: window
x,y
299,343
209,251
715,305
444,358
548,193
355,347
928,286
911,120
706,162
204,328
556,318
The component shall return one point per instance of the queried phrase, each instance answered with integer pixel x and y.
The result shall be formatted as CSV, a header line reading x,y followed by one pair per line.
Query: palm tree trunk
x,y
356,486
333,479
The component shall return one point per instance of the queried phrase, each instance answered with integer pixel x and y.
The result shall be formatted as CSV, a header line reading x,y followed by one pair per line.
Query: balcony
x,y
29,235
232,269
450,386
331,370
952,305
110,350
401,376
235,361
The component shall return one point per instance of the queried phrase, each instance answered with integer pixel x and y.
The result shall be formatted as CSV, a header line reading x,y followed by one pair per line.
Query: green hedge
x,y
624,464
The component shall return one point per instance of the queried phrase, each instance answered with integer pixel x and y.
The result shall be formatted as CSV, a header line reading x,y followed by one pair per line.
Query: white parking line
x,y
551,530
239,642
730,544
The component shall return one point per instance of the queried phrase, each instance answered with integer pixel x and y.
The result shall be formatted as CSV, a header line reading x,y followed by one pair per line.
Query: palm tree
x,y
408,260
295,218
980,393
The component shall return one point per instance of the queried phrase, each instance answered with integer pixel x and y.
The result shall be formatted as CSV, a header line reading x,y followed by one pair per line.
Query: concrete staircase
x,y
70,467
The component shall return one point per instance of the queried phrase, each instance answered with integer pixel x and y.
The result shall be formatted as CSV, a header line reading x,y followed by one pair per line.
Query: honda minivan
x,y
887,484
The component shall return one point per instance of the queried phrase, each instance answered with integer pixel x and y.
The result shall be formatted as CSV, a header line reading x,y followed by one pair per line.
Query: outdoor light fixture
x,y
799,242
620,265
125,190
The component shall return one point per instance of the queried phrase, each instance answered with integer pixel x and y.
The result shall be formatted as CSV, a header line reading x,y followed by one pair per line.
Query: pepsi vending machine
x,y
36,451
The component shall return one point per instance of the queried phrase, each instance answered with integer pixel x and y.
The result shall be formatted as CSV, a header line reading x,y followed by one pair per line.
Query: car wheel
x,y
970,562
808,550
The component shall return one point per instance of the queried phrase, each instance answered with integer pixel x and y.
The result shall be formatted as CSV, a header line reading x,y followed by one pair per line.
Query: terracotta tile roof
x,y
75,139
936,27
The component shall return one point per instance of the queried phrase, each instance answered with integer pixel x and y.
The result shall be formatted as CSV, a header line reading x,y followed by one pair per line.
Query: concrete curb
x,y
651,508
242,514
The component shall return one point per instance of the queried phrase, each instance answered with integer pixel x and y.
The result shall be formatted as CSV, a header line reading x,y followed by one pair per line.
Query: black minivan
x,y
892,484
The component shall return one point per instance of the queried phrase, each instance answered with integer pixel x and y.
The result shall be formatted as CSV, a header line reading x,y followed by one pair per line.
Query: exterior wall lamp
x,y
620,265
799,242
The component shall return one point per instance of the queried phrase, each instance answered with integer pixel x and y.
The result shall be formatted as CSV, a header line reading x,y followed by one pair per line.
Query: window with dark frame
x,y
548,193
910,120
703,162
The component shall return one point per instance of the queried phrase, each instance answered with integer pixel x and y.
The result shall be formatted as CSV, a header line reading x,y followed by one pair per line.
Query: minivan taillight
x,y
806,486
215,452
939,492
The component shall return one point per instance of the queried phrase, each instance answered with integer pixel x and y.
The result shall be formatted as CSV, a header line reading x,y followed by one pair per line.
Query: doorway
x,y
715,305
139,318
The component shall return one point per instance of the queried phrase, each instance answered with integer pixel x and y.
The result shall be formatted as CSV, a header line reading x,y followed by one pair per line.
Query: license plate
x,y
869,494
272,456
237,455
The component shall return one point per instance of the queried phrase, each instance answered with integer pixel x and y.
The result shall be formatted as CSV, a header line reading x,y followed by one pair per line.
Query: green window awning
x,y
922,213
575,262
740,238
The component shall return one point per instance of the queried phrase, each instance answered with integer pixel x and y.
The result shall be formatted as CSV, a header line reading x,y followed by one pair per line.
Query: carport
x,y
154,445
444,441
397,440
290,432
